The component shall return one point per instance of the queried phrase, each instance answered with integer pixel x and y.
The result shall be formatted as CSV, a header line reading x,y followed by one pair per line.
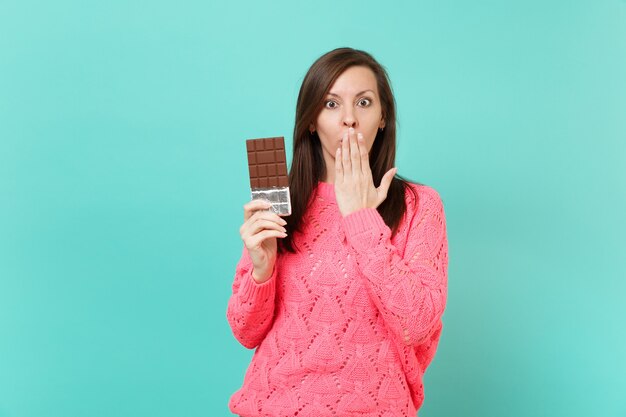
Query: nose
x,y
349,119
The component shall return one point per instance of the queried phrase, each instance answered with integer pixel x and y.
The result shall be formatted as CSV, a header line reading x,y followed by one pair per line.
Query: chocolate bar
x,y
268,173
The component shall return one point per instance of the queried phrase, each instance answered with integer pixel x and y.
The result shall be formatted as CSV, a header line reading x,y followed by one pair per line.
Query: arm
x,y
408,286
250,310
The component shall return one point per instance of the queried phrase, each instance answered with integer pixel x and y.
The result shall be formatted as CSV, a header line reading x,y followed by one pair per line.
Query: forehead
x,y
354,80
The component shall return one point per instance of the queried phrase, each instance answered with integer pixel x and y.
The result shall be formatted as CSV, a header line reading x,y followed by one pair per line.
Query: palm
x,y
264,253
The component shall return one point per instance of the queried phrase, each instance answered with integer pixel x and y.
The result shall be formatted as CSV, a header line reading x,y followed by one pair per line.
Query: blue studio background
x,y
123,175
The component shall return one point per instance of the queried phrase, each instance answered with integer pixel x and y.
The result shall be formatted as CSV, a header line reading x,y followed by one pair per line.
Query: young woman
x,y
343,299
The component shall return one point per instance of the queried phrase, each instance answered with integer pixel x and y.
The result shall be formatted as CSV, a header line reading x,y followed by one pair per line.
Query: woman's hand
x,y
259,231
354,186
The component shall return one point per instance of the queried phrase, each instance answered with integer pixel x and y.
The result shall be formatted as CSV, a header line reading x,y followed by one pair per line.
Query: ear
x,y
311,128
382,123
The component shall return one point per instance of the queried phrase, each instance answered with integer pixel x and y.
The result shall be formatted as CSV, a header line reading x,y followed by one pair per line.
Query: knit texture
x,y
348,325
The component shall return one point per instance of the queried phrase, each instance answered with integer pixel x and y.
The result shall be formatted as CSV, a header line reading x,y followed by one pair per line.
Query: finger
x,y
345,155
253,206
267,215
355,158
385,183
338,166
256,240
252,239
365,162
261,214
260,225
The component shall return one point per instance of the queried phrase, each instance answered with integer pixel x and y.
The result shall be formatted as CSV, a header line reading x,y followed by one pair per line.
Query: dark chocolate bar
x,y
267,166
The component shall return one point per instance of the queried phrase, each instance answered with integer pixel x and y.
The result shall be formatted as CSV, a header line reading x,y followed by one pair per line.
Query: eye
x,y
330,104
365,102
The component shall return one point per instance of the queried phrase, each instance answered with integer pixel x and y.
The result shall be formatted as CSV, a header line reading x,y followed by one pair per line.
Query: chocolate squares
x,y
267,166
267,162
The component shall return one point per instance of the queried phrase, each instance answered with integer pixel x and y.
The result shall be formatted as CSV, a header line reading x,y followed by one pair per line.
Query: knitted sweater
x,y
348,324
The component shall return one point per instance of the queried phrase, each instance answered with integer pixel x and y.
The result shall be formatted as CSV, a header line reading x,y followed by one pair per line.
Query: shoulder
x,y
421,197
423,214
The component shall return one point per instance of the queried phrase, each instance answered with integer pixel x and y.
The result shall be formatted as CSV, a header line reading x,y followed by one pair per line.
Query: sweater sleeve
x,y
250,309
409,284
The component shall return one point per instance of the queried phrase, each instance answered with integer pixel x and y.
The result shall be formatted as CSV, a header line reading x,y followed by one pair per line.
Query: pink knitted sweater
x,y
348,325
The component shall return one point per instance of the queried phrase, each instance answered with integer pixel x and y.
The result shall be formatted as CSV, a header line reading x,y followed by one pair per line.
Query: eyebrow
x,y
358,94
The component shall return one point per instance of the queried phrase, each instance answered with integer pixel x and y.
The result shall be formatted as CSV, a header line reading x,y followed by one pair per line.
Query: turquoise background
x,y
123,175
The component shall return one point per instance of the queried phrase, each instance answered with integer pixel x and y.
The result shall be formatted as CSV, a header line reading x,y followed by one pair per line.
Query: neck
x,y
329,162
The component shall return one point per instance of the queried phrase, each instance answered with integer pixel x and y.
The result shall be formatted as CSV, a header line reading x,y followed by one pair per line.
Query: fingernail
x,y
360,135
351,130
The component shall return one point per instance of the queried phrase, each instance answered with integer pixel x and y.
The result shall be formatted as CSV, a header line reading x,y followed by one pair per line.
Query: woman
x,y
343,299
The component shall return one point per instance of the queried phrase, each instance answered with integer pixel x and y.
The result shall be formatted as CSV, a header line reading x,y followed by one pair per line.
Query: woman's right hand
x,y
259,231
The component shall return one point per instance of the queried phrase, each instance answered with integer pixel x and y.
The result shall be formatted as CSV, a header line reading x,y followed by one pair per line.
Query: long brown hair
x,y
307,164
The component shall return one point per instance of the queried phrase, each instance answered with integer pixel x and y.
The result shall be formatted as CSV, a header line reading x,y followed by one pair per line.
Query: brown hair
x,y
307,165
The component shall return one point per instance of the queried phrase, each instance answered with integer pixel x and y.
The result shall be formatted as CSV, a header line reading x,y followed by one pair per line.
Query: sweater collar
x,y
326,190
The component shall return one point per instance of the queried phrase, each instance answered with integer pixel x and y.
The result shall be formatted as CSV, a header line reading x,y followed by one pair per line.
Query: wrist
x,y
261,277
349,211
